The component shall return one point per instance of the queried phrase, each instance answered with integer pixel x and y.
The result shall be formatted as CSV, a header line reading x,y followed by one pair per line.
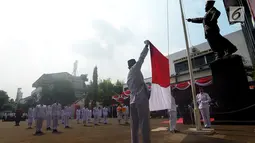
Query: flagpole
x,y
167,24
193,89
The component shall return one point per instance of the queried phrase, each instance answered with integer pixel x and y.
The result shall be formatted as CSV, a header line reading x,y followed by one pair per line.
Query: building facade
x,y
201,56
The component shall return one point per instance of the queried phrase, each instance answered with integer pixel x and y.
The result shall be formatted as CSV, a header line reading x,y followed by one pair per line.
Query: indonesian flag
x,y
160,98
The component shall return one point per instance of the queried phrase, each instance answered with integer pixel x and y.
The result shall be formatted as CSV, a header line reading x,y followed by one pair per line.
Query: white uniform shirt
x,y
90,113
56,109
48,110
30,113
40,111
95,111
100,112
78,113
105,111
66,111
203,100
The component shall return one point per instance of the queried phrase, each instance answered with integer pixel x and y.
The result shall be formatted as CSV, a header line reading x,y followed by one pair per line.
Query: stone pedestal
x,y
230,87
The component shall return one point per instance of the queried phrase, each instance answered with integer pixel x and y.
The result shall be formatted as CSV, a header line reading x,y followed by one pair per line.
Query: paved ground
x,y
115,133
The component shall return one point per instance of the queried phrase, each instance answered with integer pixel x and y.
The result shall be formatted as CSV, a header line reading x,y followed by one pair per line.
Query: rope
x,y
235,111
230,112
188,34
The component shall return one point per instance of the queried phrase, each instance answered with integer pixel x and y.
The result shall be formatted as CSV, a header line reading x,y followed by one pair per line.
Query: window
x,y
210,58
198,62
180,67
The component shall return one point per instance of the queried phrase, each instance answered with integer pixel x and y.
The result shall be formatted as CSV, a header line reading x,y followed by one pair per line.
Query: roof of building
x,y
50,76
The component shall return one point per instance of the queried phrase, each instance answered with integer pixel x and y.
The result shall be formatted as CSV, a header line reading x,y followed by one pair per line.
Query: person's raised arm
x,y
196,20
143,54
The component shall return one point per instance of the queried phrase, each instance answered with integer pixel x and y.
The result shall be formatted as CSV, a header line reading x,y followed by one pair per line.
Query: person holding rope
x,y
219,44
204,100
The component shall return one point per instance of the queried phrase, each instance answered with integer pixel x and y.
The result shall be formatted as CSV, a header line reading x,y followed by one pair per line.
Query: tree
x,y
47,96
62,92
3,98
95,84
118,87
105,91
84,77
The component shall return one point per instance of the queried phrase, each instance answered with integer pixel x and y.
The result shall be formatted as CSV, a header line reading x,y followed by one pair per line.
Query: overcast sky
x,y
47,36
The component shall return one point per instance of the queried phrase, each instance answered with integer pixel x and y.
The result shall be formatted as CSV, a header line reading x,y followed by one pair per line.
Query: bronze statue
x,y
219,44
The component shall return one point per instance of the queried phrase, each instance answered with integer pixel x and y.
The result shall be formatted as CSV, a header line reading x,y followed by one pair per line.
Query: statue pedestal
x,y
230,87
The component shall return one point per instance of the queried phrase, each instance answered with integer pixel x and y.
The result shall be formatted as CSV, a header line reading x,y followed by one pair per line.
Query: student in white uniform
x,y
40,112
95,114
119,113
30,117
90,116
203,100
62,116
100,113
85,115
56,113
78,116
126,114
66,116
48,117
34,114
173,116
105,114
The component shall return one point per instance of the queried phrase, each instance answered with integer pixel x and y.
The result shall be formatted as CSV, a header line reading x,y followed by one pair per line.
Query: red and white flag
x,y
160,98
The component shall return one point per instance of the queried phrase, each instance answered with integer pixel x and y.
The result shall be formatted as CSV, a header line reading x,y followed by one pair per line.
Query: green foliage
x,y
4,99
84,77
8,106
95,85
62,92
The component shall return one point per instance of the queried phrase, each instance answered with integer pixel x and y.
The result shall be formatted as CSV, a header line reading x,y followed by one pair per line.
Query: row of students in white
x,y
50,113
85,115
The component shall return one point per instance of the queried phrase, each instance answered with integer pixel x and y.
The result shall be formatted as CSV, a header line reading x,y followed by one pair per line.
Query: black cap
x,y
131,62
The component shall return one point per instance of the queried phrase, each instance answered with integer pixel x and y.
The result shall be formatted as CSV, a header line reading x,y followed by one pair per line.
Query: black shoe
x,y
172,132
55,131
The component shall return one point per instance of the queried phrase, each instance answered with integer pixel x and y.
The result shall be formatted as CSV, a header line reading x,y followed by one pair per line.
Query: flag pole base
x,y
204,131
